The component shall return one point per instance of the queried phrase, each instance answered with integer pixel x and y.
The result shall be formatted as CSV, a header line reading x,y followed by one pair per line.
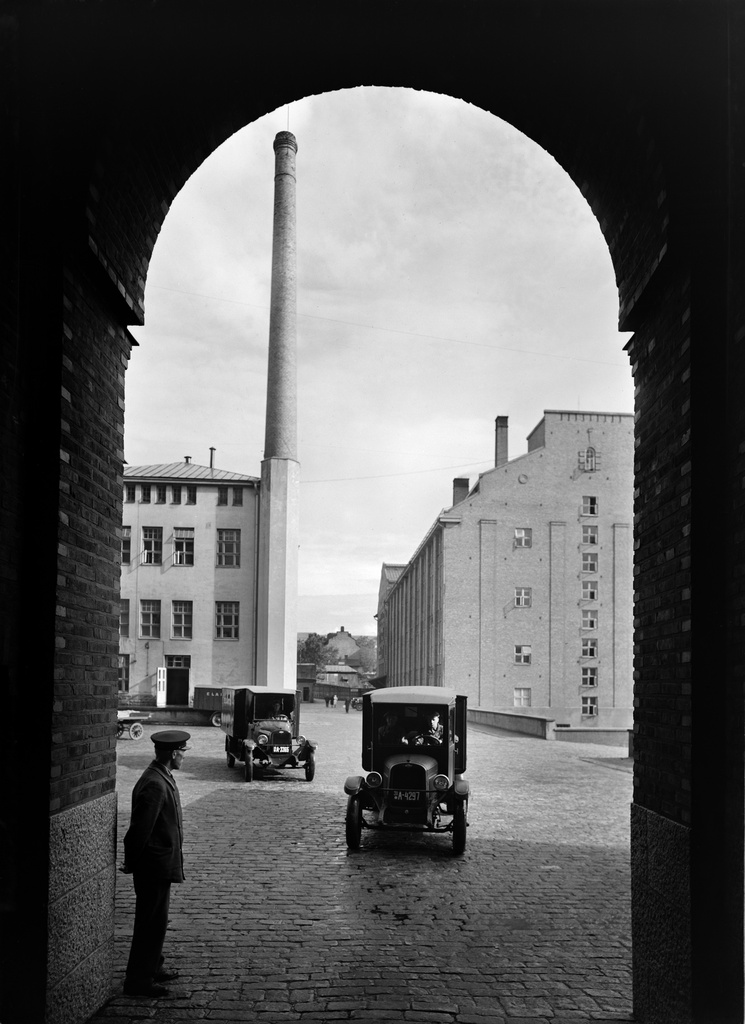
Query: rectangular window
x,y
589,590
124,617
523,597
150,619
589,505
237,495
183,545
521,697
145,494
123,673
523,537
126,545
589,676
229,548
160,494
589,647
178,661
589,561
152,545
589,534
589,618
222,495
181,620
176,494
130,492
191,494
523,654
589,706
226,620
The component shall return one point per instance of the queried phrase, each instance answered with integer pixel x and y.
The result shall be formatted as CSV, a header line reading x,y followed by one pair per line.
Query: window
x,y
181,619
150,619
229,548
178,661
523,597
124,617
152,545
237,495
191,494
523,654
589,647
183,545
523,537
589,505
145,494
589,460
589,534
521,697
126,545
123,673
589,676
226,620
222,495
589,618
130,492
589,590
589,561
589,706
176,494
160,494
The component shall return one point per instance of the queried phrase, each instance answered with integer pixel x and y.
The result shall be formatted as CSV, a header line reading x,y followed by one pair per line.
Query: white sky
x,y
449,272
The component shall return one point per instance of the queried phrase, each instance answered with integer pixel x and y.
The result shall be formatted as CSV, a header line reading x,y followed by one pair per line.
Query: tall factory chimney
x,y
500,440
279,534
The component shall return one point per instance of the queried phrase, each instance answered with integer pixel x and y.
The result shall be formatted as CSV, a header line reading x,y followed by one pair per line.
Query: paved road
x,y
277,921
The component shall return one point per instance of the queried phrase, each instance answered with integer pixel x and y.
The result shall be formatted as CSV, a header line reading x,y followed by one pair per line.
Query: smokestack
x,y
279,533
460,489
500,455
212,458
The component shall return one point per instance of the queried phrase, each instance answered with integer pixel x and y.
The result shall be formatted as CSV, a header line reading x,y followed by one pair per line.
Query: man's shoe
x,y
164,975
147,990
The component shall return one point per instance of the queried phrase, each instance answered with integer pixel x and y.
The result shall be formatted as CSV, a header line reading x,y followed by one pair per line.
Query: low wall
x,y
528,725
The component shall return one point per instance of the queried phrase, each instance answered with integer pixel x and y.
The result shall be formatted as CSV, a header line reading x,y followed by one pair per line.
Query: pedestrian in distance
x,y
153,855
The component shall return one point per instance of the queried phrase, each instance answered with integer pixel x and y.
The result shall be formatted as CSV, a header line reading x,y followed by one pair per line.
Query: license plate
x,y
406,796
281,750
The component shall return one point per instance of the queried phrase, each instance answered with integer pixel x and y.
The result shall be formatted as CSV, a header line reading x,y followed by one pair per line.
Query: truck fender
x,y
461,789
353,784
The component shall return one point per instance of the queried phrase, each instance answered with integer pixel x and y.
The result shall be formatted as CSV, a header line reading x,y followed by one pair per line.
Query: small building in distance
x,y
521,593
188,581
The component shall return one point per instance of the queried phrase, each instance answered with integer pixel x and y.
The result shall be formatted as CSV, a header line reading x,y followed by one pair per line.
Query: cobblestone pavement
x,y
277,921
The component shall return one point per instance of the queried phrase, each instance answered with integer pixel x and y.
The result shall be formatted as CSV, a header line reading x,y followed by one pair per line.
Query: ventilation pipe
x,y
460,489
500,445
212,458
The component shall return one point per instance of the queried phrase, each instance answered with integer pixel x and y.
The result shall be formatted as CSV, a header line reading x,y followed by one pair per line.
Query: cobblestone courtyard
x,y
277,921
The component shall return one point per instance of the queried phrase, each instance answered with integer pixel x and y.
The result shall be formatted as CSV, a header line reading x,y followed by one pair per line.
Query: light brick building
x,y
520,595
188,580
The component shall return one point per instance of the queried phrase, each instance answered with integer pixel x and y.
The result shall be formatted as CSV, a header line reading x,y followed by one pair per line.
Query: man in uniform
x,y
153,855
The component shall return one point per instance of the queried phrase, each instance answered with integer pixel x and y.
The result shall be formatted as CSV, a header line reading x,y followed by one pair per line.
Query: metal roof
x,y
184,471
411,695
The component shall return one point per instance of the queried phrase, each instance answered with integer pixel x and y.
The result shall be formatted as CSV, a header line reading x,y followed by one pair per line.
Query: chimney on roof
x,y
460,489
187,459
500,446
212,458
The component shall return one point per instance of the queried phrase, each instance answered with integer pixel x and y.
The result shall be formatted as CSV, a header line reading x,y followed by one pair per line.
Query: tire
x,y
119,730
136,730
353,822
231,761
216,719
459,828
310,768
248,768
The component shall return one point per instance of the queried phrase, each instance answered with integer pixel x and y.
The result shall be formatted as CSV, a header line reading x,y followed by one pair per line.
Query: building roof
x,y
392,572
184,471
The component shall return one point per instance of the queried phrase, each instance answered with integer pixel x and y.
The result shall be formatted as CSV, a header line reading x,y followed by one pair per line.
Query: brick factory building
x,y
521,593
188,581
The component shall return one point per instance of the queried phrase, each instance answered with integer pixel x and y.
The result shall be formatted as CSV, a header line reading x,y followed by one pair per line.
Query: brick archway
x,y
109,110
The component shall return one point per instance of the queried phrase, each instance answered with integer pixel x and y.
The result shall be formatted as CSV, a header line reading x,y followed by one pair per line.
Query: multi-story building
x,y
521,595
188,580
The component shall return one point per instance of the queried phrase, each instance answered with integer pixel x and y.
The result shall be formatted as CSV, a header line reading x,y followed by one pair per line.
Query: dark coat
x,y
153,843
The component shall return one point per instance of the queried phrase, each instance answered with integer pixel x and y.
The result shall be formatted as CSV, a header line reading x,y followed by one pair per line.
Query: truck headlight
x,y
301,740
262,738
374,779
441,782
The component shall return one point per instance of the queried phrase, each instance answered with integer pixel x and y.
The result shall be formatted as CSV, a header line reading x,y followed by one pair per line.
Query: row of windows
x,y
523,536
523,655
521,698
589,538
227,553
158,494
226,620
524,599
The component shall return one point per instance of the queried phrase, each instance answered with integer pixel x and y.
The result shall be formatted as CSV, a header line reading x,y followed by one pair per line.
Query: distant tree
x,y
316,649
